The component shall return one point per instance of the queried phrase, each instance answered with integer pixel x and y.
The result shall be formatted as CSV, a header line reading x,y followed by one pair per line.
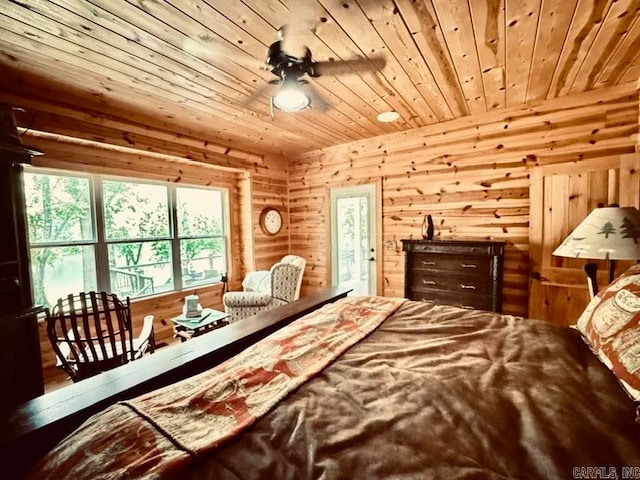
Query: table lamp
x,y
608,233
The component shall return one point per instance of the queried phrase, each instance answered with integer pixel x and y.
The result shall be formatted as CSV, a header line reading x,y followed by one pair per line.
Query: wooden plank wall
x,y
470,174
561,196
78,140
270,190
258,191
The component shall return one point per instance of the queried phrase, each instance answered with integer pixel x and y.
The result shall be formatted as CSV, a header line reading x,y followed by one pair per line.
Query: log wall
x,y
270,191
470,174
88,141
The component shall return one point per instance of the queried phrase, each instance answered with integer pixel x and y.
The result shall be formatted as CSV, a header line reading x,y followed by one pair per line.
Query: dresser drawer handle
x,y
428,282
428,264
467,307
468,265
467,287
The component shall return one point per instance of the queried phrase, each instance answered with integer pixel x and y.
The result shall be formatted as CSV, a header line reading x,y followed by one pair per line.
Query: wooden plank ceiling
x,y
193,65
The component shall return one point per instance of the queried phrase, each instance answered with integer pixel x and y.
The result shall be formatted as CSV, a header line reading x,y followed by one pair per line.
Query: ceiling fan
x,y
291,61
288,59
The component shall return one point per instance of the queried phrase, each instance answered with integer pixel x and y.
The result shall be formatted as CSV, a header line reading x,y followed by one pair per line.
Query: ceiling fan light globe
x,y
291,100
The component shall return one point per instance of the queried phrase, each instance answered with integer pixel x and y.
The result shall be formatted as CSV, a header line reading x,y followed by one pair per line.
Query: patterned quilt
x,y
159,433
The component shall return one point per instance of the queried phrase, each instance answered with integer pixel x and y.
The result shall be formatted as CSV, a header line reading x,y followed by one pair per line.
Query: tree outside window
x,y
201,233
61,235
140,242
137,211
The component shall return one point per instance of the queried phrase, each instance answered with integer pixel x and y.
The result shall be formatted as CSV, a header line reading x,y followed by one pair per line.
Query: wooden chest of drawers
x,y
466,274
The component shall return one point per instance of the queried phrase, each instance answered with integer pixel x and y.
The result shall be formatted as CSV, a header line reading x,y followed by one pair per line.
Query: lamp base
x,y
612,270
591,270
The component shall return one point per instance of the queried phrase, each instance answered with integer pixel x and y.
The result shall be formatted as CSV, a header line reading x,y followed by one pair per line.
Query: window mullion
x,y
134,239
102,252
226,218
175,241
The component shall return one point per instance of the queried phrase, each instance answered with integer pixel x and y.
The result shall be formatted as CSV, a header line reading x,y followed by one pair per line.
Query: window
x,y
129,237
61,235
137,232
202,234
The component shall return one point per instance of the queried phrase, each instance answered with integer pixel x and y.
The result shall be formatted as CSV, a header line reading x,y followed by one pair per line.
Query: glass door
x,y
353,254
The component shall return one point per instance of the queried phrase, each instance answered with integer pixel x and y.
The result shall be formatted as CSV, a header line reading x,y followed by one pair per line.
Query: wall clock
x,y
270,221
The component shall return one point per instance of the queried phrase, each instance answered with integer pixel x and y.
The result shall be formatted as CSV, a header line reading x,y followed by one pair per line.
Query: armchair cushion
x,y
259,281
246,299
297,262
146,340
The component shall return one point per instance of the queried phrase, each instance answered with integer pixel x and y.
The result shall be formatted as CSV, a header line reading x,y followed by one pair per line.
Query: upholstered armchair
x,y
264,290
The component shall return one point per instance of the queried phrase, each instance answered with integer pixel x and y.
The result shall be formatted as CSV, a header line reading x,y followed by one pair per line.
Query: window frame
x,y
175,246
92,243
92,208
104,273
101,244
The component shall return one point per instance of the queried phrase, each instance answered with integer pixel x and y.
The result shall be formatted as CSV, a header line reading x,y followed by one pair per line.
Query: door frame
x,y
377,272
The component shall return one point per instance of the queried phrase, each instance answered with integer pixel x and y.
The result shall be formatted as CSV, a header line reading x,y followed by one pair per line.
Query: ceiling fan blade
x,y
256,94
294,40
339,67
305,15
208,49
317,102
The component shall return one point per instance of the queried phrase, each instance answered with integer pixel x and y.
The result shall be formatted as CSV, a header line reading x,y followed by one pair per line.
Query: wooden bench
x,y
33,428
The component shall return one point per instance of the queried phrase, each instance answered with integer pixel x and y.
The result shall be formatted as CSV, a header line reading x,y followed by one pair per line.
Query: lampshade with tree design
x,y
607,233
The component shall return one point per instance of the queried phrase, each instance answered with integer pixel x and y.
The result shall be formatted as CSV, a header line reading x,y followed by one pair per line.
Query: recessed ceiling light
x,y
388,116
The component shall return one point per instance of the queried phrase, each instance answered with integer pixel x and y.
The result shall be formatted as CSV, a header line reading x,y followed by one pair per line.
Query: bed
x,y
421,391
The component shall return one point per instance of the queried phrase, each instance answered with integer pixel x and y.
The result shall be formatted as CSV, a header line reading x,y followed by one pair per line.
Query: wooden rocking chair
x,y
92,332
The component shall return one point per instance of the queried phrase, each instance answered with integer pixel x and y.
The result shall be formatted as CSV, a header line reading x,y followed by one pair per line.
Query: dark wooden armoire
x,y
20,362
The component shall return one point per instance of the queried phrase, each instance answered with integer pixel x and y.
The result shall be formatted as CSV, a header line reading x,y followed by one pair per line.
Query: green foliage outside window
x,y
137,230
58,210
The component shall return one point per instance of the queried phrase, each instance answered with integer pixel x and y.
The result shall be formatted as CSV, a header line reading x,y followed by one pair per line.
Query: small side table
x,y
187,328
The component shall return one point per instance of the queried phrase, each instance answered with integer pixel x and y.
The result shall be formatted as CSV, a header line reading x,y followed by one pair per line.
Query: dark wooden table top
x,y
31,429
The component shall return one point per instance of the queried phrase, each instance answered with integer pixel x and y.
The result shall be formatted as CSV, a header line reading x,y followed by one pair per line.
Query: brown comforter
x,y
438,392
158,434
